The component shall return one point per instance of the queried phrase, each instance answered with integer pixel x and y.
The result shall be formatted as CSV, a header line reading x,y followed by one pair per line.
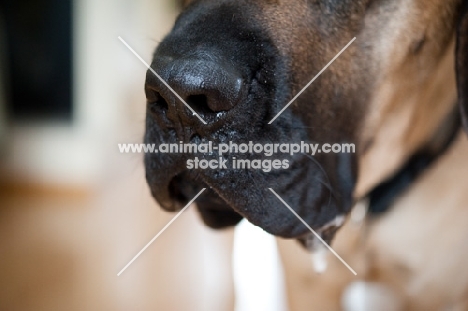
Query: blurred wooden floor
x,y
62,251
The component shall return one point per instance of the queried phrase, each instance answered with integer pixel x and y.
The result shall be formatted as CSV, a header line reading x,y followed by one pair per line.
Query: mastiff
x,y
399,93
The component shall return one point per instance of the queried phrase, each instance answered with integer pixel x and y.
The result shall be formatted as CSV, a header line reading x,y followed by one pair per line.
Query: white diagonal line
x,y
160,232
315,233
311,81
156,74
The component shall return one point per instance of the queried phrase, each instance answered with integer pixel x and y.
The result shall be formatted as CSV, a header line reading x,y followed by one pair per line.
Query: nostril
x,y
199,103
156,102
208,86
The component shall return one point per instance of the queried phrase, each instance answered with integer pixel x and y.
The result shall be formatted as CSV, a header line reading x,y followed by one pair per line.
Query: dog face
x,y
238,63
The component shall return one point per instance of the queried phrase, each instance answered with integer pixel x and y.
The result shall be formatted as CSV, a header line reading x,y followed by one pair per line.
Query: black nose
x,y
206,85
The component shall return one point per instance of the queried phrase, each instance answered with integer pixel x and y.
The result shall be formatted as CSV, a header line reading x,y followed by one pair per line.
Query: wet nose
x,y
207,86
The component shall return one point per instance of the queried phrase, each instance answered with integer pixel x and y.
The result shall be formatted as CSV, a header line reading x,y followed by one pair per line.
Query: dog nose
x,y
207,86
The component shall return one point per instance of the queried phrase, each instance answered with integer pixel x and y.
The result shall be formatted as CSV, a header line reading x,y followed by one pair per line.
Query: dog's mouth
x,y
232,194
217,214
214,211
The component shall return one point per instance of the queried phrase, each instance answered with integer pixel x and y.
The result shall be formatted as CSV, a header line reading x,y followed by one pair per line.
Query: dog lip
x,y
176,191
257,205
164,199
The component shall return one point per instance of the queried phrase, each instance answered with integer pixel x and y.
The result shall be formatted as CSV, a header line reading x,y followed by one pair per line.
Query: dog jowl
x,y
237,64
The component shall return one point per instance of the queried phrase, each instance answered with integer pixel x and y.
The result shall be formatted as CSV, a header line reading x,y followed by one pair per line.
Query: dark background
x,y
39,58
